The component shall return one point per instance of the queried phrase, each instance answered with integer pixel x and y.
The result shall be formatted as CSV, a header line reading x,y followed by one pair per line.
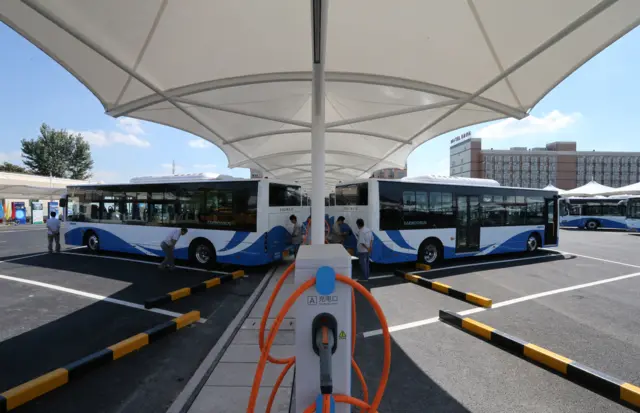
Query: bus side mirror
x,y
63,203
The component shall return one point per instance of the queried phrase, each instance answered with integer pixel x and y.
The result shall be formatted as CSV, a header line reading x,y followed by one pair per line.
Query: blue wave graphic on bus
x,y
278,239
604,222
396,237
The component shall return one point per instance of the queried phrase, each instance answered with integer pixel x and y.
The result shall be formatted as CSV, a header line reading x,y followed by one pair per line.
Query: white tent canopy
x,y
553,188
32,192
633,189
590,189
238,73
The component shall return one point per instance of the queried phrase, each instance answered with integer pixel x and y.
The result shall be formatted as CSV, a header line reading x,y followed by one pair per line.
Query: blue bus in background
x,y
593,212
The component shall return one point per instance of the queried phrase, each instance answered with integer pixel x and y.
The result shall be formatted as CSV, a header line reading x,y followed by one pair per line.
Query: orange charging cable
x,y
289,362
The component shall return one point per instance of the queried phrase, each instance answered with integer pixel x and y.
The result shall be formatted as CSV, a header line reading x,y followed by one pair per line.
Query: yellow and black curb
x,y
446,289
32,389
422,267
601,383
187,291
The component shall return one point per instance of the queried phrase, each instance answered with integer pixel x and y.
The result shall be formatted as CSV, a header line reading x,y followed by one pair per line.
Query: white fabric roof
x,y
633,189
237,73
589,189
33,192
553,188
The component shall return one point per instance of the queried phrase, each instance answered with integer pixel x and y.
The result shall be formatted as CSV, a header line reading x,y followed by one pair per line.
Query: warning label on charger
x,y
342,335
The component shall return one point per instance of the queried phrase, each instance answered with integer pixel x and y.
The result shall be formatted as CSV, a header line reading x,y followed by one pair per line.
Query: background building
x,y
558,163
390,173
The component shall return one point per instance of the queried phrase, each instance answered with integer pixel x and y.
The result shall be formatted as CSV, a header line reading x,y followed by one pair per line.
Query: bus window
x,y
355,194
284,195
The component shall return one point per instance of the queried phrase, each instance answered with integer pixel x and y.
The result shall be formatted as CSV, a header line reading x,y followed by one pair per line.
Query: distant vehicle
x,y
593,212
429,219
235,221
632,219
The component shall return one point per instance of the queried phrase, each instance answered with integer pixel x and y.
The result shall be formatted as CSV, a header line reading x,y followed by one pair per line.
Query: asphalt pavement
x,y
438,368
51,317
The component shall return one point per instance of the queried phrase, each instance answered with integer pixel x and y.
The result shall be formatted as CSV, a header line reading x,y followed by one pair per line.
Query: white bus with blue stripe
x,y
632,219
593,212
230,221
433,218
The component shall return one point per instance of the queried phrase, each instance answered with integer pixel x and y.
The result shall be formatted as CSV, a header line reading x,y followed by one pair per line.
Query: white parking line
x,y
93,296
22,230
433,320
132,260
597,259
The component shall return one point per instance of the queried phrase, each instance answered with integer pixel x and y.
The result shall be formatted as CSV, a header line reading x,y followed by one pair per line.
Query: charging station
x,y
326,298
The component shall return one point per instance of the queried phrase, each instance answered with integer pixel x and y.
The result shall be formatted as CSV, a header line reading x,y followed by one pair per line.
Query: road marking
x,y
598,259
379,277
132,260
433,320
93,296
22,230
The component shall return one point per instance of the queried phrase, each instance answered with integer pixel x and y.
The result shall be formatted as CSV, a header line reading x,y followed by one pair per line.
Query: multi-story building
x,y
558,163
390,173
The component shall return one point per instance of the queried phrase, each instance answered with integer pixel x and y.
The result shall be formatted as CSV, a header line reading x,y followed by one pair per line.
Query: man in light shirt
x,y
53,232
365,243
168,246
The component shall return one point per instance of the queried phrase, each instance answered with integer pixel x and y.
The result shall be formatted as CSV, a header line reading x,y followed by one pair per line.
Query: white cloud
x,y
105,176
200,143
530,125
131,126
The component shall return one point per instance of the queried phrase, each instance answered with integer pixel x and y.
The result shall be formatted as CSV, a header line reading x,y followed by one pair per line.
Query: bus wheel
x,y
592,225
533,242
202,253
430,252
92,241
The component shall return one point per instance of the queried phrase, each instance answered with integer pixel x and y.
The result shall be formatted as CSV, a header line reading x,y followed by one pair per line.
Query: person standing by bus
x,y
296,234
365,244
53,232
168,247
338,235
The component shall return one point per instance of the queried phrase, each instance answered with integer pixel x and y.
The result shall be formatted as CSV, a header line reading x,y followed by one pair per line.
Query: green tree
x,y
59,153
10,167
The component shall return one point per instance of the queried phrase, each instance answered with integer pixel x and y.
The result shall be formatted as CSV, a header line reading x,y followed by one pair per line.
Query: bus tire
x,y
202,253
592,225
533,242
430,251
92,241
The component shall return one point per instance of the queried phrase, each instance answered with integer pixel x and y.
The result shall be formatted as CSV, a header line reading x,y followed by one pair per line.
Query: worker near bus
x,y
338,233
365,244
53,232
168,247
296,234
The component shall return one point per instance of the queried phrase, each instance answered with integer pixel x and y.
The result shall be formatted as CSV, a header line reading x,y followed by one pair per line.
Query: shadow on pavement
x,y
409,388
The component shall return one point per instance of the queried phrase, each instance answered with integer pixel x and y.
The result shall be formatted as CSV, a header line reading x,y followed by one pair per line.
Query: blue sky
x,y
597,106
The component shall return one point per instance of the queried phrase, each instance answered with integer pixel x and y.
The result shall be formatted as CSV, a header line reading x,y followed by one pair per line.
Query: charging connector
x,y
324,340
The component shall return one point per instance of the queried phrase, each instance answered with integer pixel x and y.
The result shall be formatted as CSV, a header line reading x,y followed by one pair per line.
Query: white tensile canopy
x,y
553,188
590,189
238,73
633,189
258,78
33,192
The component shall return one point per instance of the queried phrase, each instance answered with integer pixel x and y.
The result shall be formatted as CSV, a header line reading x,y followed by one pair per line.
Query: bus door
x,y
551,225
468,224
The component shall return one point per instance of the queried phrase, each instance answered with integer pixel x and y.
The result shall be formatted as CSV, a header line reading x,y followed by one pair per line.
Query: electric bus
x,y
433,218
593,212
632,220
231,221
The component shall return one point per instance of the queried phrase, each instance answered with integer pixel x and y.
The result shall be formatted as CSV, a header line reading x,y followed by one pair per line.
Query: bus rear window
x,y
355,194
284,195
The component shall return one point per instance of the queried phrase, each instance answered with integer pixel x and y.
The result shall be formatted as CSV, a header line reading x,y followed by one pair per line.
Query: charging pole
x,y
327,298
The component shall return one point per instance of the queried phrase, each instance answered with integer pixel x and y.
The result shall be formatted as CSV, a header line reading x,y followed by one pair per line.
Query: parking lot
x,y
561,302
579,301
58,308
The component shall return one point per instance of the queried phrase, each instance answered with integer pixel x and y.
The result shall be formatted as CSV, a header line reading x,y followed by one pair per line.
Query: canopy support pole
x,y
319,14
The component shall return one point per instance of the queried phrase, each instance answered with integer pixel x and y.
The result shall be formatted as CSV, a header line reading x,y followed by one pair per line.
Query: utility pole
x,y
173,167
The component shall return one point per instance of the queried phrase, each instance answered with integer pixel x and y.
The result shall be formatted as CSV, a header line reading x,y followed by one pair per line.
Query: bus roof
x,y
443,180
180,179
